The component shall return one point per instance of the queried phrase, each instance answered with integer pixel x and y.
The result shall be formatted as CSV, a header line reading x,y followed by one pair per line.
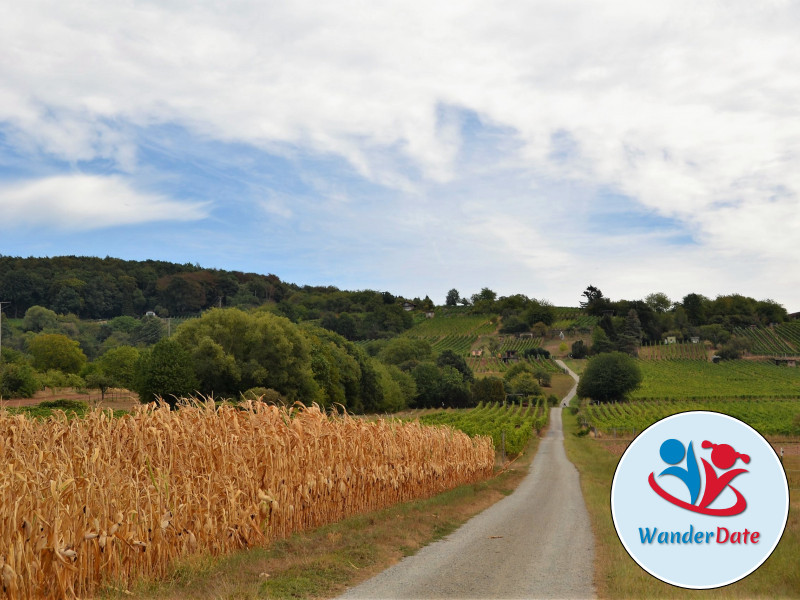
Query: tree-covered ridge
x,y
102,288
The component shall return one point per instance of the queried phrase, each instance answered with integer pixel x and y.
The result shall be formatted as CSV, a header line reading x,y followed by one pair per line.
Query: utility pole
x,y
1,329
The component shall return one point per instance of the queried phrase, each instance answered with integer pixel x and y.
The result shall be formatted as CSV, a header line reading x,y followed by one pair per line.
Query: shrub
x,y
18,381
579,350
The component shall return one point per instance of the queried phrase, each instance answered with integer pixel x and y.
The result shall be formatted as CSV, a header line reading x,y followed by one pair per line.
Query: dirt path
x,y
536,543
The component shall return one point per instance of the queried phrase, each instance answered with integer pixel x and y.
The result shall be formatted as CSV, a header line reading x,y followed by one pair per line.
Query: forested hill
x,y
102,288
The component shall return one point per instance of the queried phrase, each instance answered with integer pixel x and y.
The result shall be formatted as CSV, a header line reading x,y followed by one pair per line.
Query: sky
x,y
530,147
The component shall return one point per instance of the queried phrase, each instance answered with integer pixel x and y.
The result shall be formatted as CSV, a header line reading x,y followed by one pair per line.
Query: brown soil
x,y
115,399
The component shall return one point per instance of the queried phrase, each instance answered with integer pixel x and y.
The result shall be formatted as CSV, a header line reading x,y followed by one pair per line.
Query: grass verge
x,y
618,576
560,385
323,562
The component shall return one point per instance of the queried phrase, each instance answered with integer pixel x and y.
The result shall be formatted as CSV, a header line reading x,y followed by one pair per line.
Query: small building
x,y
786,362
476,352
149,313
694,339
407,306
429,314
670,340
509,356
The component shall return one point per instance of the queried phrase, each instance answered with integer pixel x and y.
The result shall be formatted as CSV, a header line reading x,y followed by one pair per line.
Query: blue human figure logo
x,y
672,452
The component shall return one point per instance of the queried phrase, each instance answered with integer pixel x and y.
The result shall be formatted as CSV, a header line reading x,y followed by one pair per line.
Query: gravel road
x,y
535,543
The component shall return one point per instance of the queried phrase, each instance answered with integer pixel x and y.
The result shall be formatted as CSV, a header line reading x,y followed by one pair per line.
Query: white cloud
x,y
688,108
87,202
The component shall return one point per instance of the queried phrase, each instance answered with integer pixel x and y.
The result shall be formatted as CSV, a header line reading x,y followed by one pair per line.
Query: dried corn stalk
x,y
100,499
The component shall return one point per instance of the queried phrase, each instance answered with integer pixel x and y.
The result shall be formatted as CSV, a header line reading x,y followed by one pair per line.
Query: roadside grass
x,y
323,562
618,576
576,365
560,385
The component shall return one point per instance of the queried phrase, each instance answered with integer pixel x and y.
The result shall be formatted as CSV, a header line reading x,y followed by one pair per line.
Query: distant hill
x,y
101,288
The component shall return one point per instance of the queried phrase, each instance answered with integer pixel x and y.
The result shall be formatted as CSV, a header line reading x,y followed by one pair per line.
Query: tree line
x,y
232,353
624,325
106,288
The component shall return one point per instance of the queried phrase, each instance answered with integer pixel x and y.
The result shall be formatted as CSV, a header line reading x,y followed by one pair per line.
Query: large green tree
x,y
120,363
658,301
488,390
165,371
448,358
38,318
233,351
609,377
56,351
404,351
630,340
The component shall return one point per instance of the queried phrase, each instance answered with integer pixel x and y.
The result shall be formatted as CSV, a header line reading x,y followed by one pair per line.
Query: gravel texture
x,y
535,543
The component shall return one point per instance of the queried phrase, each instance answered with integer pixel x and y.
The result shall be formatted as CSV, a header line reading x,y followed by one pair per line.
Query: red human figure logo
x,y
724,457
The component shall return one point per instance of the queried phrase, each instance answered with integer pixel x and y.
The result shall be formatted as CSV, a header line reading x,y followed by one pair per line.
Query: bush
x,y
18,381
579,350
536,352
64,404
264,395
543,377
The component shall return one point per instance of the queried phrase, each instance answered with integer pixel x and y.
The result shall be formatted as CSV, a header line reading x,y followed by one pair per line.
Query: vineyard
x,y
764,340
680,351
575,321
790,333
457,332
768,416
693,379
442,326
519,344
94,500
482,365
461,333
517,421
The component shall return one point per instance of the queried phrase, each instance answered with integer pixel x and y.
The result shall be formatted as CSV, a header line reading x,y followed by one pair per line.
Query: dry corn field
x,y
103,501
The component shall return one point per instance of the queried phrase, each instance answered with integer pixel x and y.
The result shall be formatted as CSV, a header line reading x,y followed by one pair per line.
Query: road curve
x,y
535,543
574,390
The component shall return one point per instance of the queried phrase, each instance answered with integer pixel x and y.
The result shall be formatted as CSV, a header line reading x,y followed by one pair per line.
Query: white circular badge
x,y
699,500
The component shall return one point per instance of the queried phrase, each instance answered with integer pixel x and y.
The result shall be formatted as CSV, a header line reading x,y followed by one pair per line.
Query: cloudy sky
x,y
531,147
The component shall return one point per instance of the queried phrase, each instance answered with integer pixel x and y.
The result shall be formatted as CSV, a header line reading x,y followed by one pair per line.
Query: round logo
x,y
699,500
